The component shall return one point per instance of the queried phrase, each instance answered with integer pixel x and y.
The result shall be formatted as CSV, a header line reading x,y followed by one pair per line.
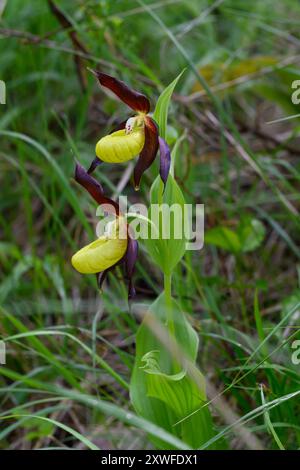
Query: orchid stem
x,y
168,297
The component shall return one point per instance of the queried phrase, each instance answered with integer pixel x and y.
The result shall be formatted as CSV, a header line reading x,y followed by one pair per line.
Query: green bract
x,y
167,214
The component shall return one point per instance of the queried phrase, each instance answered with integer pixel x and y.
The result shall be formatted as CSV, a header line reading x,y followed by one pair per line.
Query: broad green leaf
x,y
248,235
160,114
178,391
251,233
160,389
223,237
168,247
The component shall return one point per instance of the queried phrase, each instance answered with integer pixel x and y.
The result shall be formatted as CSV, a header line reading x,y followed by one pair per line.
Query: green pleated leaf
x,y
223,237
248,235
178,391
169,246
251,233
161,390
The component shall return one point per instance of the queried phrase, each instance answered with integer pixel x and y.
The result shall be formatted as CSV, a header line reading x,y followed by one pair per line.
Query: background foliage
x,y
70,352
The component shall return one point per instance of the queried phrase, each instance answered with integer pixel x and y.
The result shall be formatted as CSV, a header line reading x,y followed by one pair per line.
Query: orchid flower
x,y
138,135
114,247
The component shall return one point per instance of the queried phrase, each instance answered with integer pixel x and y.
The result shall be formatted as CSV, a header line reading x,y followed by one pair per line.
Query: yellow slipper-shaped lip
x,y
120,147
101,254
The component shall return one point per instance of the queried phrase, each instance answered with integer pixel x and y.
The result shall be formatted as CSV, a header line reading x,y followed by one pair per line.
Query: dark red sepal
x,y
149,151
135,100
95,189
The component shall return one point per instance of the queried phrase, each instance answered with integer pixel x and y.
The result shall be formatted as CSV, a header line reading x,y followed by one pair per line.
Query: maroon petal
x,y
149,151
95,189
133,99
130,260
165,159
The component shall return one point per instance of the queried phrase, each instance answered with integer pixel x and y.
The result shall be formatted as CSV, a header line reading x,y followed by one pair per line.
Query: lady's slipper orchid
x,y
103,253
114,247
137,136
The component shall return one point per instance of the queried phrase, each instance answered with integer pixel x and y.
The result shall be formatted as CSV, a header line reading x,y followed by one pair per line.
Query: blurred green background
x,y
66,344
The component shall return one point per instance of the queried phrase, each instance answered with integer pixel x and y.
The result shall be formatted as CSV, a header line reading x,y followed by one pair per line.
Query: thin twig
x,y
78,45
